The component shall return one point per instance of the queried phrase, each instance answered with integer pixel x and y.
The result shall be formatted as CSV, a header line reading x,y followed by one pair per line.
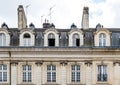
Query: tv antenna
x,y
51,12
27,10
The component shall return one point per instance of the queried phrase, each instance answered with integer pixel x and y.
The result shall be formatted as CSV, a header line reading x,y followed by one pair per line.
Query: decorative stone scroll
x,y
63,62
88,63
39,63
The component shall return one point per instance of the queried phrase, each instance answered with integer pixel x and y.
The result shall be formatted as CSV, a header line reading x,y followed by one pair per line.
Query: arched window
x,y
102,39
51,39
2,39
26,39
76,40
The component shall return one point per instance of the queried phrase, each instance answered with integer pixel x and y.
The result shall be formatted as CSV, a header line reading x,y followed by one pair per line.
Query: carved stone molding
x,y
88,63
116,62
39,63
14,63
76,84
63,62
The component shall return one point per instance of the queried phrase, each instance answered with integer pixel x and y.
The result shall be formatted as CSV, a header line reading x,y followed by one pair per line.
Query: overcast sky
x,y
63,13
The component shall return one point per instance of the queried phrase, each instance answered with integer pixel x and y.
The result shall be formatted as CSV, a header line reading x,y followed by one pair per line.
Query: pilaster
x,y
88,72
38,73
116,73
63,72
14,73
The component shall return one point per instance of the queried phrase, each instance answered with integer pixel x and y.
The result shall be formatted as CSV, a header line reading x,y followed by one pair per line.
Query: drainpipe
x,y
10,66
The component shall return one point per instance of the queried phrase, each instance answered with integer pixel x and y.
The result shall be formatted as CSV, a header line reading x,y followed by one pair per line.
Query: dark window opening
x,y
26,35
51,42
77,42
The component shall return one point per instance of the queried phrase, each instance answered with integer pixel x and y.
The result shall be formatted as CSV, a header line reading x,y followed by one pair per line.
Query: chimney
x,y
22,21
85,18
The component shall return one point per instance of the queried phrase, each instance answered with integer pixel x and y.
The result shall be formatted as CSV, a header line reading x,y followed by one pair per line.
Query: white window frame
x,y
102,39
76,71
27,70
51,73
2,39
3,69
26,41
74,38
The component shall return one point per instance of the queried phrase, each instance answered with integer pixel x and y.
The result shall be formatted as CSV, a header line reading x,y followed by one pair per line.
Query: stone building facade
x,y
52,56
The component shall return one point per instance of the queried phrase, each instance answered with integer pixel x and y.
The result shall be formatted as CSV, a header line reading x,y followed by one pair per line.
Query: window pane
x,y
48,67
29,67
4,76
2,39
0,67
54,76
4,67
73,67
24,67
24,76
48,76
102,73
73,76
0,76
53,67
29,77
78,67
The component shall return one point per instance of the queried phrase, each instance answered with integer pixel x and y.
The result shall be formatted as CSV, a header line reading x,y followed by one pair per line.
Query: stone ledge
x,y
51,84
103,84
26,84
4,84
76,84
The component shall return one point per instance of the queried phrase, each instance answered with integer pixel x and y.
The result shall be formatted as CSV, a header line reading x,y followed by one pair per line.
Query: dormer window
x,y
51,39
76,40
26,39
2,39
102,39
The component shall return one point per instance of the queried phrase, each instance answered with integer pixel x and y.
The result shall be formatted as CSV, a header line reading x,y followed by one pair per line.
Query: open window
x,y
76,40
51,39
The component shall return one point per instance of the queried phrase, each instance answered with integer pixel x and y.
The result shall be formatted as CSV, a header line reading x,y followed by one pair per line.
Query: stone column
x,y
116,73
63,72
14,73
38,73
88,73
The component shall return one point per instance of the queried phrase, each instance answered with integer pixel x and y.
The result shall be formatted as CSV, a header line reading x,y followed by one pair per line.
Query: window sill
x,y
51,83
2,83
26,83
102,83
75,84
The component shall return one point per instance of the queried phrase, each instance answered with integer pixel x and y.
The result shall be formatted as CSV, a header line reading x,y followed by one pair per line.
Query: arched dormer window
x,y
51,39
75,37
102,39
26,39
76,40
2,39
